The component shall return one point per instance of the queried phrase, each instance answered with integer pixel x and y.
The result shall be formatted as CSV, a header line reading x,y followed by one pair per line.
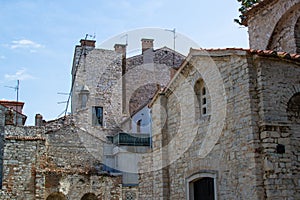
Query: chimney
x,y
88,43
147,44
15,105
121,48
38,120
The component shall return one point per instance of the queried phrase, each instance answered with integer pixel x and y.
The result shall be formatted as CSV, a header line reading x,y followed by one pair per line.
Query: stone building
x,y
51,161
110,96
231,127
217,124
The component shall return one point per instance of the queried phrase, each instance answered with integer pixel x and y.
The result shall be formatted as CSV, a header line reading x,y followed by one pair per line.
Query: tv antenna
x,y
174,36
16,88
90,36
174,41
126,36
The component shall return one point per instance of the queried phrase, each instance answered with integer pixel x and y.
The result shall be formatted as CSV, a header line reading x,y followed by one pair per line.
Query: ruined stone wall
x,y
58,157
75,186
24,146
272,26
71,148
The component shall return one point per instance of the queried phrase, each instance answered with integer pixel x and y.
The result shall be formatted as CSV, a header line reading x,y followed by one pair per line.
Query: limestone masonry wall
x,y
248,161
273,26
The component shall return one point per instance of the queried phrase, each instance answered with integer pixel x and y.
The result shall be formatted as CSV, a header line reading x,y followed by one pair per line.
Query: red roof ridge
x,y
279,54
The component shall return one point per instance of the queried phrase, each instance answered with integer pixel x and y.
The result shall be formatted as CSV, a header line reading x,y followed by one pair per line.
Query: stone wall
x,y
98,76
245,161
58,157
24,146
278,82
146,73
271,25
75,186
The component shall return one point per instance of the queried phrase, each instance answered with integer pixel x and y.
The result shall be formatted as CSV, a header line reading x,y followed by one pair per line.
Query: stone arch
x,y
293,108
89,196
283,37
56,196
297,36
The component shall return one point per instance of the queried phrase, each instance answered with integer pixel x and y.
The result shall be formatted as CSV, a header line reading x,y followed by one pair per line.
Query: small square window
x,y
203,91
204,111
98,116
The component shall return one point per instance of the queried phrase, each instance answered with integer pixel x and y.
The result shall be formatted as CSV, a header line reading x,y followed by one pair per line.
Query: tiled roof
x,y
271,53
267,53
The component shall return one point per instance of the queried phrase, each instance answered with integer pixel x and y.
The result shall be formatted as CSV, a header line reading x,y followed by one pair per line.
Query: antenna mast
x,y
16,88
174,41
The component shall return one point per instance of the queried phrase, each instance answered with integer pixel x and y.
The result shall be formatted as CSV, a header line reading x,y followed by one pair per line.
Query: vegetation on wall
x,y
245,4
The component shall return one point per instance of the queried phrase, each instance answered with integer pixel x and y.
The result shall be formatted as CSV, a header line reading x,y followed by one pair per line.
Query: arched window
x,y
201,94
56,196
293,108
138,126
202,186
89,196
297,35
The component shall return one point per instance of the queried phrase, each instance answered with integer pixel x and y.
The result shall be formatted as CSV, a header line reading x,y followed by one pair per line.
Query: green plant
x,y
245,4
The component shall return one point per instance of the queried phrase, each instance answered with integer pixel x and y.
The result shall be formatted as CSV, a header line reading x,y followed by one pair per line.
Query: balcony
x,y
132,139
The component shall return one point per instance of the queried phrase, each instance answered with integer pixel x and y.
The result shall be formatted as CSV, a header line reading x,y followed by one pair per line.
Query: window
x,y
202,186
201,94
98,116
138,126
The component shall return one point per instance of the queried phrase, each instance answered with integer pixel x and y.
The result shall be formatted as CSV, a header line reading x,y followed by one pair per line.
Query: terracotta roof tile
x,y
271,53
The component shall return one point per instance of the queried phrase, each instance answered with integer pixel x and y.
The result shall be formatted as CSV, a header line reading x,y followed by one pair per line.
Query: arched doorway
x,y
56,196
89,196
202,186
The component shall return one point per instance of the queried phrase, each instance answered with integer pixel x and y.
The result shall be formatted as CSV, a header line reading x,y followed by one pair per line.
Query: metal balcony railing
x,y
131,139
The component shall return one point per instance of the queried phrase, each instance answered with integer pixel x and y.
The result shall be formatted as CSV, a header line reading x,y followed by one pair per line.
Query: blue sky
x,y
38,37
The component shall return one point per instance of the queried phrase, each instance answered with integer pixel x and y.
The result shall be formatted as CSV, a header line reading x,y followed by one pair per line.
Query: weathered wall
x,y
272,26
98,72
24,146
278,81
58,157
75,186
146,73
244,161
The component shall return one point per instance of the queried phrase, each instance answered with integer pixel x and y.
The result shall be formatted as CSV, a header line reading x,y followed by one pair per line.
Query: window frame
x,y
95,118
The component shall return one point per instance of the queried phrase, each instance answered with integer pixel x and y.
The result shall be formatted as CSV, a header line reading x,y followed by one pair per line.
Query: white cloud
x,y
2,57
19,75
25,44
